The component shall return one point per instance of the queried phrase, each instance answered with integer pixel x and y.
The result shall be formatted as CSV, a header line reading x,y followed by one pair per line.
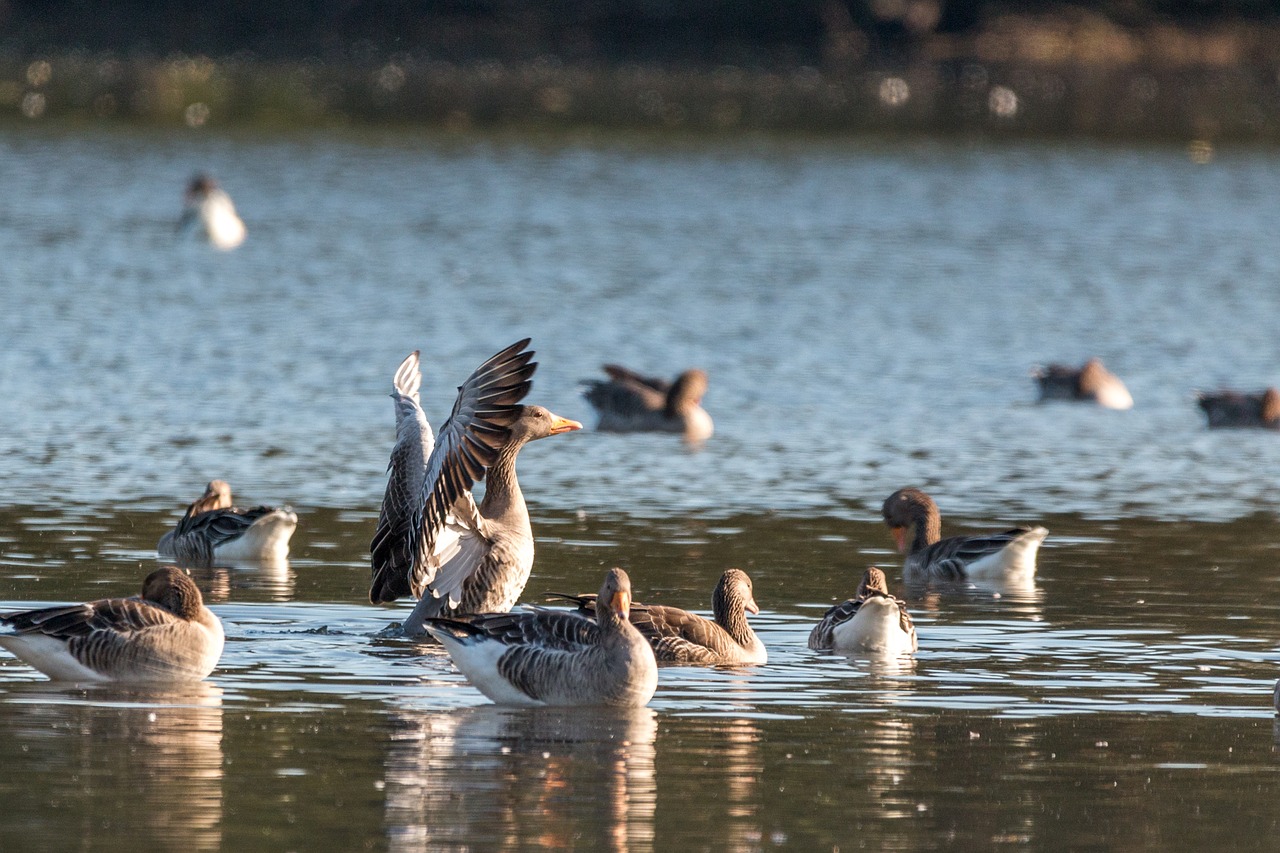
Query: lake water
x,y
868,313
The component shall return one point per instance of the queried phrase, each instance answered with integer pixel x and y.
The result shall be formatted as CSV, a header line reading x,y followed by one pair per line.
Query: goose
x,y
166,634
917,529
209,204
555,657
871,621
1091,382
629,402
678,636
1233,409
432,540
212,530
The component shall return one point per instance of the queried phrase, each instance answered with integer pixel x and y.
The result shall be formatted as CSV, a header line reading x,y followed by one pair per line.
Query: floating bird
x,y
917,529
209,204
678,636
1233,409
555,657
871,621
212,530
629,402
432,541
166,634
1091,382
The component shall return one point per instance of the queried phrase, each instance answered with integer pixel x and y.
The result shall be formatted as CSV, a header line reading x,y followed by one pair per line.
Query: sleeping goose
x,y
432,540
629,402
1233,409
1091,382
208,204
678,636
166,634
917,529
212,530
555,657
871,621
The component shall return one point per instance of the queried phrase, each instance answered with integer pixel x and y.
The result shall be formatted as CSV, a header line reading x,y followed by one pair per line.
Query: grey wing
x,y
585,602
947,559
680,636
625,376
461,547
822,636
544,628
116,615
624,398
197,536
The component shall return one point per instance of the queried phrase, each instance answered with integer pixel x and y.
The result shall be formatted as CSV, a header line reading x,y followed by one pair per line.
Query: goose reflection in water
x,y
493,778
274,577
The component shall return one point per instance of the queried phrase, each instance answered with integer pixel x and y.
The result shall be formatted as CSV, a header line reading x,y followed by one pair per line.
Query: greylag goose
x,y
213,530
166,634
432,541
1091,382
629,402
917,529
1233,409
871,621
208,204
555,657
678,636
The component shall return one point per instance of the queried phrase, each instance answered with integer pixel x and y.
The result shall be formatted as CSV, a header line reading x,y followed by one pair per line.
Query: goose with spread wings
x,y
212,530
630,402
433,541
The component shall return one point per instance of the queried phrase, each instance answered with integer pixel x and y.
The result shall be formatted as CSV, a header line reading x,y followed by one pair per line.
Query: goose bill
x,y
900,538
560,425
621,603
751,606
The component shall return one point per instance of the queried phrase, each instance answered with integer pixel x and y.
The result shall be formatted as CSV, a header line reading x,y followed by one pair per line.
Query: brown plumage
x,y
212,529
1090,382
630,402
1234,409
873,620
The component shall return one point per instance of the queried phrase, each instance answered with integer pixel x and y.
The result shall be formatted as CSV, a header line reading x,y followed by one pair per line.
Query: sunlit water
x,y
868,314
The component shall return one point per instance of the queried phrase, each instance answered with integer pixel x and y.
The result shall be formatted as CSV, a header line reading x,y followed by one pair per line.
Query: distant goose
x,y
209,205
917,529
432,541
555,657
871,621
1233,409
1091,382
678,636
166,634
212,530
629,402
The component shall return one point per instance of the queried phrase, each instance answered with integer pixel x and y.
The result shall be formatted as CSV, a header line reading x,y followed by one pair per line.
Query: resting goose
x,y
432,541
871,621
917,529
555,657
209,204
212,530
1233,409
166,634
629,402
1091,382
678,636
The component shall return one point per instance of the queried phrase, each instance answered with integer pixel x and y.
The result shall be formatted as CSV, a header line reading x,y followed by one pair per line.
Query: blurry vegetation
x,y
1182,69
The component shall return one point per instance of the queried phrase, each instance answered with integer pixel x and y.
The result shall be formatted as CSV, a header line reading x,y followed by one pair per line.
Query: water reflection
x,y
276,578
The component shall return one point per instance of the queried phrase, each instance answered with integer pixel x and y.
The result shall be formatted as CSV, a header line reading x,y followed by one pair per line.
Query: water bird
x,y
207,203
916,524
1234,409
212,530
629,402
1091,381
165,634
432,541
678,636
871,621
555,657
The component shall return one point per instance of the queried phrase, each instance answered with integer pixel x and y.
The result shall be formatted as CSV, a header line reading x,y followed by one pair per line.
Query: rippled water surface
x,y
868,314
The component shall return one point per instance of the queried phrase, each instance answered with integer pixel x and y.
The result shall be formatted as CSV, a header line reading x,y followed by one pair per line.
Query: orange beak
x,y
560,425
621,604
900,538
752,607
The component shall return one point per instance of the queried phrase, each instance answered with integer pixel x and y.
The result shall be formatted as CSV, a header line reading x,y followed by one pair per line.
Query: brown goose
x,y
871,621
917,529
555,657
678,636
1091,382
432,540
166,634
212,530
1233,409
629,402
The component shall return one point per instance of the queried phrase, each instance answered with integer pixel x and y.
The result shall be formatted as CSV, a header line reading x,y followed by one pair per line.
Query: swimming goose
x,y
213,530
917,529
555,657
678,636
1091,381
209,204
871,621
1233,409
166,634
432,541
629,402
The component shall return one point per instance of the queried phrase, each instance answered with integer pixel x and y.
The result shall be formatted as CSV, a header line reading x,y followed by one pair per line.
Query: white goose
x,y
555,657
166,634
871,621
208,204
212,530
